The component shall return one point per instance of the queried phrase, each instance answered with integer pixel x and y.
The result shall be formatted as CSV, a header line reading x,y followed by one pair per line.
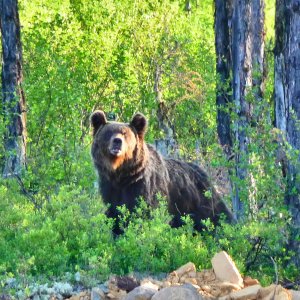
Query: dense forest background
x,y
158,58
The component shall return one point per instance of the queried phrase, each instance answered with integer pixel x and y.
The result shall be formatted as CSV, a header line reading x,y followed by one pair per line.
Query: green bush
x,y
71,233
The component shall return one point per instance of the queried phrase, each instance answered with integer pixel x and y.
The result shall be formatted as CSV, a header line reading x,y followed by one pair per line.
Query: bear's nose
x,y
117,141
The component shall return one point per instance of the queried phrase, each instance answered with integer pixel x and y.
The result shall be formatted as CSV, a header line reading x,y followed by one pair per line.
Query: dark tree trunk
x,y
14,107
239,27
223,67
287,105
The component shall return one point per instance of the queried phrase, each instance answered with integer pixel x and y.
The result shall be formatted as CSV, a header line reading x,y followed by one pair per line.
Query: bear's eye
x,y
107,136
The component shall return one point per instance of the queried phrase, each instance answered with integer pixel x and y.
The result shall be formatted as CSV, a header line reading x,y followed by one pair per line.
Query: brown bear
x,y
129,168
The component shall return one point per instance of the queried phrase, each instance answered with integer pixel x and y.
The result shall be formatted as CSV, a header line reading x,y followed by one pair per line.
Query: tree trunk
x,y
239,27
287,105
14,106
247,59
223,67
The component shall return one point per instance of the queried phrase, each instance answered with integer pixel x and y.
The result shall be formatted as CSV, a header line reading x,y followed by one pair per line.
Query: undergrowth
x,y
70,233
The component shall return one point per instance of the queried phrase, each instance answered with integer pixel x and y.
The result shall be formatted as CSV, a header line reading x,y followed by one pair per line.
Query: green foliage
x,y
81,55
71,233
55,238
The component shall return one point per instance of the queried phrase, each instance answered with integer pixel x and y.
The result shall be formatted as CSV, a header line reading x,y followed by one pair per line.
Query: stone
x,y
189,267
104,288
205,276
149,284
274,292
141,293
97,294
81,296
248,281
117,294
191,281
228,287
219,289
126,283
206,288
247,293
166,284
225,269
177,292
192,274
174,279
295,294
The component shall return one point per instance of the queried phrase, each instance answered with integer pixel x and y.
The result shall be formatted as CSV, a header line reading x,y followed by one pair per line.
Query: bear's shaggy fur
x,y
129,168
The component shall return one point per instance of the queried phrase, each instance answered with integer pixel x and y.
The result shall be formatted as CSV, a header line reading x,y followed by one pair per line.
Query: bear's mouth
x,y
116,151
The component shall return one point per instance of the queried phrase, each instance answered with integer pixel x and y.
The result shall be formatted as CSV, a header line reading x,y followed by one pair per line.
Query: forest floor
x,y
223,281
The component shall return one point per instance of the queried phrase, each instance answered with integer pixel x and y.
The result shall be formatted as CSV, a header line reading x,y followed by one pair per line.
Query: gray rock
x,y
104,288
177,293
295,294
141,293
97,294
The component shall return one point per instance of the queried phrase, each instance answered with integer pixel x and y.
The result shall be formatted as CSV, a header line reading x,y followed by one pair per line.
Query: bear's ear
x,y
97,119
139,123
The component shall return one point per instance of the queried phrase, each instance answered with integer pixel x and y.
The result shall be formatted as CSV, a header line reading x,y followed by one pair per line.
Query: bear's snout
x,y
116,146
117,142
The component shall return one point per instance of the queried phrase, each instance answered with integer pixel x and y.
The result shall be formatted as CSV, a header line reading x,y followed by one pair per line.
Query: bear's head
x,y
116,144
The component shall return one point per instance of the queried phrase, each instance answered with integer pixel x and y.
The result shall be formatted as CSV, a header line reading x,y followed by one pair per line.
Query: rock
x,y
247,293
104,288
248,281
126,283
295,294
173,278
166,284
206,276
177,292
81,296
141,293
225,269
97,294
149,284
189,267
206,288
219,289
116,294
274,292
191,281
